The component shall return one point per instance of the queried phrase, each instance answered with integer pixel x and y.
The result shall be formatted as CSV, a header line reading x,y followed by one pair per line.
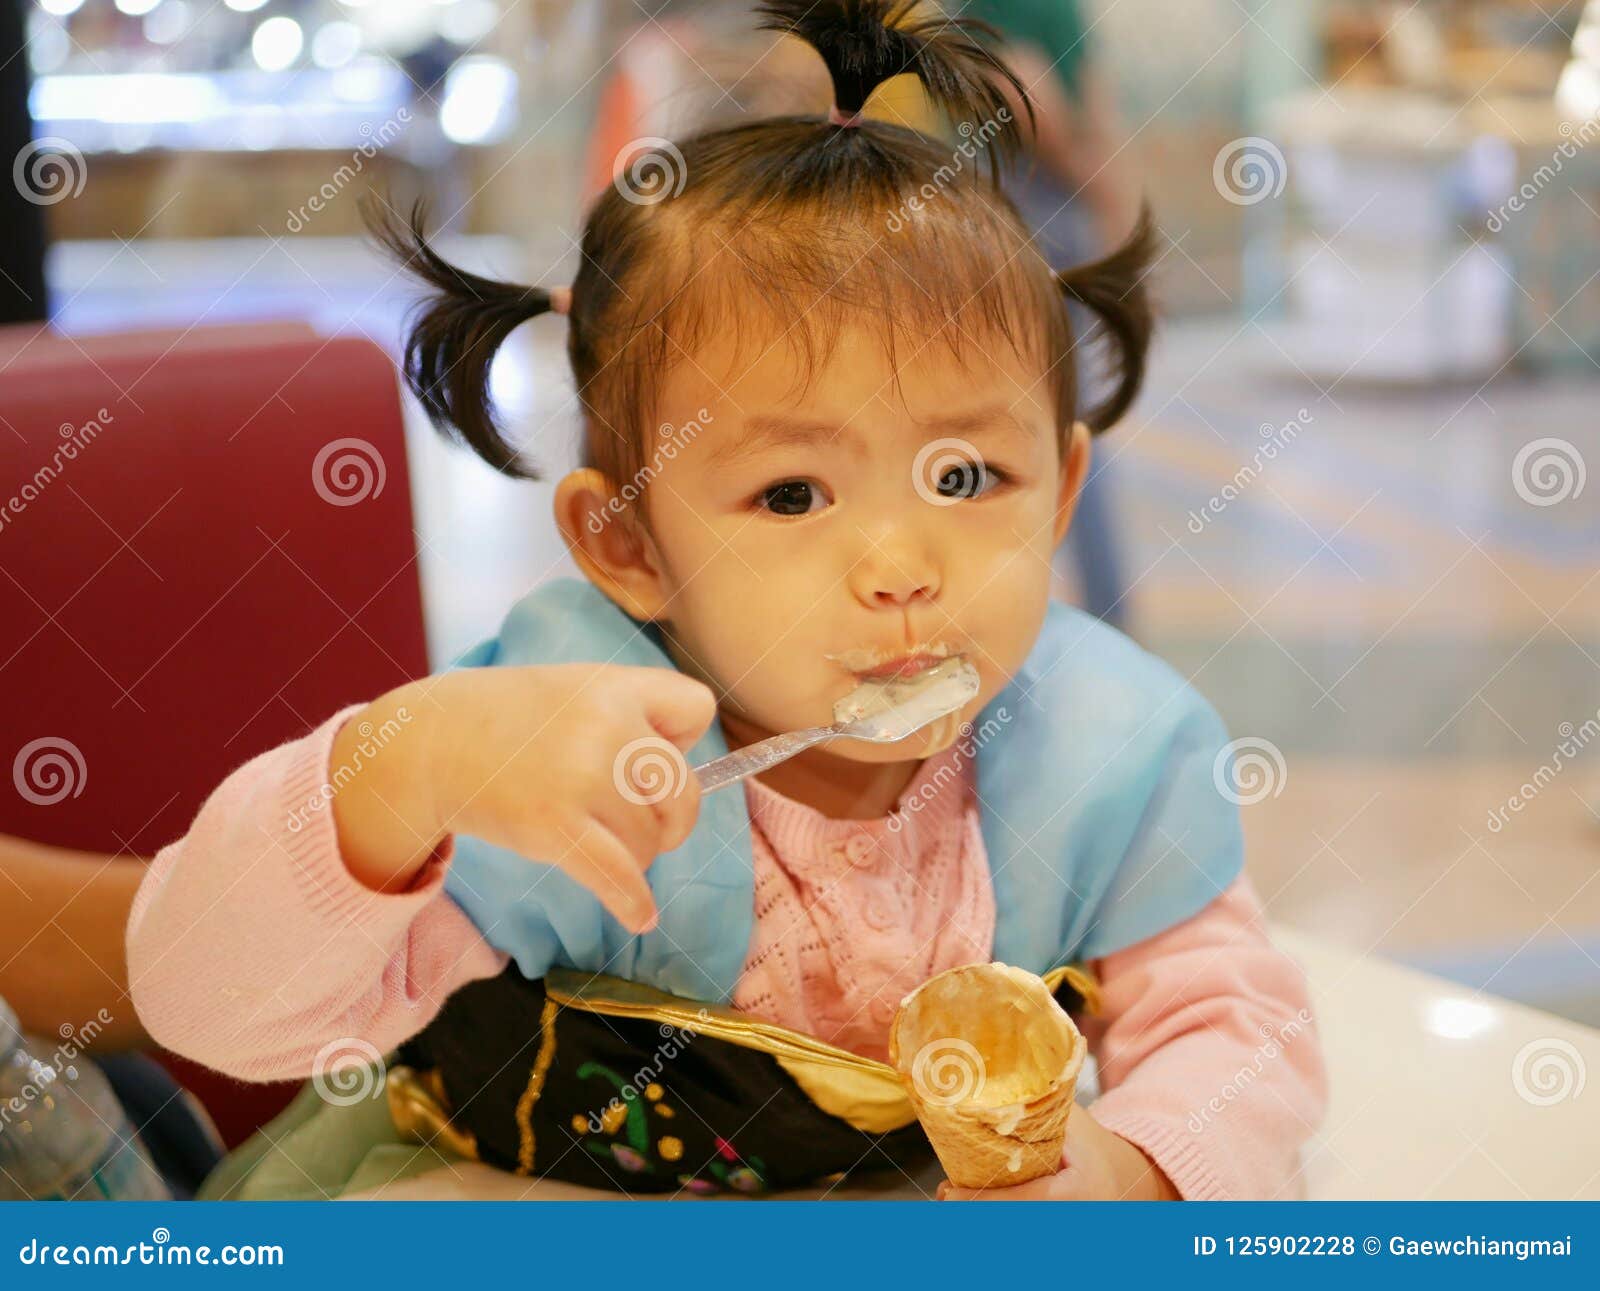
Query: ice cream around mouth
x,y
912,702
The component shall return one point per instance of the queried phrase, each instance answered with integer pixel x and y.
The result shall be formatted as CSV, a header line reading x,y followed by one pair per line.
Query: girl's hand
x,y
577,765
1097,1166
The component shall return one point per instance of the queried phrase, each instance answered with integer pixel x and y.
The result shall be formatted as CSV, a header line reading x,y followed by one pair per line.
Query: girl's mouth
x,y
882,665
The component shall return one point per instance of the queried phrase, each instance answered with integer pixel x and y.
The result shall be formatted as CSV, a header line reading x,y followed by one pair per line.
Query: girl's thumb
x,y
679,707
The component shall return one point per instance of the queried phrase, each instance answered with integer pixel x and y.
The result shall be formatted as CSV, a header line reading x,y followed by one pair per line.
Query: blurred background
x,y
1352,504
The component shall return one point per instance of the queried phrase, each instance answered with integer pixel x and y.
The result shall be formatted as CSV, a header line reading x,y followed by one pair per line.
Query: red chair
x,y
206,547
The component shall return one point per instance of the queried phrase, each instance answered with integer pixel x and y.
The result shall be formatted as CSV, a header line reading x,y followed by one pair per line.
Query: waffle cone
x,y
991,1063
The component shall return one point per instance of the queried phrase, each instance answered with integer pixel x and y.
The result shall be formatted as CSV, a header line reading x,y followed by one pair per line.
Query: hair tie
x,y
838,118
560,299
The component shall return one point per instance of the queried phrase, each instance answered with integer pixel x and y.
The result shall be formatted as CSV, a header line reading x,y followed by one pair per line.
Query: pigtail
x,y
865,42
453,334
1114,290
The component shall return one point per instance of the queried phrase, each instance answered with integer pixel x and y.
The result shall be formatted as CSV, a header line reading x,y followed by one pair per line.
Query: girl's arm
x,y
304,915
251,946
1208,1054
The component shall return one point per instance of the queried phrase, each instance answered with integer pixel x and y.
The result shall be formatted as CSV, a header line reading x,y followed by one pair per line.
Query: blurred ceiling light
x,y
480,100
276,44
61,8
244,6
1458,1019
129,97
49,48
168,24
370,79
1578,90
467,22
335,44
137,8
355,4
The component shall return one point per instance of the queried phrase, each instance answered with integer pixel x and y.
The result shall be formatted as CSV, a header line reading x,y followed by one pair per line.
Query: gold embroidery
x,y
530,1096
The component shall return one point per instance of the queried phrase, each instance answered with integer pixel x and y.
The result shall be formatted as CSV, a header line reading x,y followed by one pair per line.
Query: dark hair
x,y
802,219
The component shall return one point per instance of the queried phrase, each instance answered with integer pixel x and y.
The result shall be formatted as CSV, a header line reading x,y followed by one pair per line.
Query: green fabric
x,y
1055,26
315,1150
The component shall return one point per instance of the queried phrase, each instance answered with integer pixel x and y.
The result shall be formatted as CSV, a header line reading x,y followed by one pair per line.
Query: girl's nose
x,y
894,573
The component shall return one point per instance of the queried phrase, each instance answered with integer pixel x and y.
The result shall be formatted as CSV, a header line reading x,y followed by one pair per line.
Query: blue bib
x,y
1099,773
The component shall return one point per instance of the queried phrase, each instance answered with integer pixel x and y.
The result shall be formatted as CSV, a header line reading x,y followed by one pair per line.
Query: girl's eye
x,y
969,480
792,497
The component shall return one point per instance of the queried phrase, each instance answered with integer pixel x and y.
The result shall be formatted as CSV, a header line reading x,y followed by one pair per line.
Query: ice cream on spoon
x,y
882,710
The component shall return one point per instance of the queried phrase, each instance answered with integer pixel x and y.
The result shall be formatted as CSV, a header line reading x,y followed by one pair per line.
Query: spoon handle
x,y
722,771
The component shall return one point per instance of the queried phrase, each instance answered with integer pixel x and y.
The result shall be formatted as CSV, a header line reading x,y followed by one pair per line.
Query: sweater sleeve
x,y
253,950
1208,1053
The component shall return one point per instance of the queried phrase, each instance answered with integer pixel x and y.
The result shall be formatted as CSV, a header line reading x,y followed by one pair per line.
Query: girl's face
x,y
801,537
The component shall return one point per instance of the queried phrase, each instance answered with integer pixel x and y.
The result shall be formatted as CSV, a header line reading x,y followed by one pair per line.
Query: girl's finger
x,y
677,814
678,706
597,858
637,827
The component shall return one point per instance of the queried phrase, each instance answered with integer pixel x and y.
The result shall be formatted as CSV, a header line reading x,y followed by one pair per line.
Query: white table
x,y
1425,1099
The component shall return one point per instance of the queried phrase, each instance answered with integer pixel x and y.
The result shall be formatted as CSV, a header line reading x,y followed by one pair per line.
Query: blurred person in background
x,y
1078,195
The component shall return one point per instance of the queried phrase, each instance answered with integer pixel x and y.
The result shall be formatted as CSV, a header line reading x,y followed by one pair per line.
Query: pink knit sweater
x,y
251,947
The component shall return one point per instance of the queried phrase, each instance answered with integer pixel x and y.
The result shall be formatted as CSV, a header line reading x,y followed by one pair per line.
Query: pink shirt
x,y
251,948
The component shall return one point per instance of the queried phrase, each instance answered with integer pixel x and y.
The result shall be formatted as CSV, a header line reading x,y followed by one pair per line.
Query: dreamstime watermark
x,y
48,770
675,1039
160,1251
649,170
937,459
1565,151
374,141
1548,1071
347,471
42,1073
1277,438
1548,471
973,140
48,170
948,1071
348,1071
1574,739
972,739
1275,1038
672,439
374,739
649,770
74,439
1249,770
1249,170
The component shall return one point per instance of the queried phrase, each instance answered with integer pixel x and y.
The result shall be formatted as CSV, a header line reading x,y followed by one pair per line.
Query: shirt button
x,y
858,849
880,915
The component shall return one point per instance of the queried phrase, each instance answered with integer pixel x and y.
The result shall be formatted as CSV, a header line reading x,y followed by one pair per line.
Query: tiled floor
x,y
1415,636
1378,602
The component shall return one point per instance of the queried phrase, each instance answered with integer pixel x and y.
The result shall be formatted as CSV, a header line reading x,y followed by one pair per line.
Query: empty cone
x,y
991,1062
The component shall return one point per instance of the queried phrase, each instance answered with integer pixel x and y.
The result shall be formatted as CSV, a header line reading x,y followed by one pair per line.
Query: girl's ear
x,y
1074,471
612,548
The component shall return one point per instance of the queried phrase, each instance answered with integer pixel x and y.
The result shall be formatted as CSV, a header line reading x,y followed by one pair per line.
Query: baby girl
x,y
832,431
